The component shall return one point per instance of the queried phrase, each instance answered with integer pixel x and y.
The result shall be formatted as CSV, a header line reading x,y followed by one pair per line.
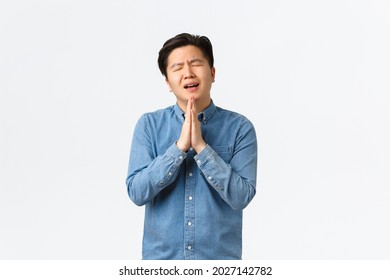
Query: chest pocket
x,y
225,152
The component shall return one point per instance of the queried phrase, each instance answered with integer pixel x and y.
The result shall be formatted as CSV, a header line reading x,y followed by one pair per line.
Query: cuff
x,y
175,152
204,155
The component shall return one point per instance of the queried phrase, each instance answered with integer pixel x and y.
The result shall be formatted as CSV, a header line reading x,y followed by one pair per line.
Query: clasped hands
x,y
191,134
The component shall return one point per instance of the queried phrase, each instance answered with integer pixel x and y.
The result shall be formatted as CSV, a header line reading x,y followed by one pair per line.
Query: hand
x,y
197,142
184,142
191,134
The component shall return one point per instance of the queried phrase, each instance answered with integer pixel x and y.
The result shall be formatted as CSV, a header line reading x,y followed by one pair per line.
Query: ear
x,y
169,86
213,73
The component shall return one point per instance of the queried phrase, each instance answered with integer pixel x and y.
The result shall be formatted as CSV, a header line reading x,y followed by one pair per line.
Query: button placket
x,y
189,215
189,207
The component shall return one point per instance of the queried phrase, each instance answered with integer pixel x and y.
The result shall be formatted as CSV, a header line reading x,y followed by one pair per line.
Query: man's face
x,y
189,74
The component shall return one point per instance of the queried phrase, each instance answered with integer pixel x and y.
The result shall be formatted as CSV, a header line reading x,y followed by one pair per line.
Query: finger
x,y
194,105
188,112
193,117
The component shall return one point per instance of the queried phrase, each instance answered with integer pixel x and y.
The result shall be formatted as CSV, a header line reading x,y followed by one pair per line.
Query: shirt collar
x,y
202,116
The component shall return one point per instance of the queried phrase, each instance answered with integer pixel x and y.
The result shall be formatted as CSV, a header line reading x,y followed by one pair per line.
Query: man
x,y
193,165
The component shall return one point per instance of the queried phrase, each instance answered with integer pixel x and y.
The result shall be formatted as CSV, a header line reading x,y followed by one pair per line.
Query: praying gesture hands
x,y
191,134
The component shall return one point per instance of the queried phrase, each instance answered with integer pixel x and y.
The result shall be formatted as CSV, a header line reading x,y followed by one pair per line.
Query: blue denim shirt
x,y
193,202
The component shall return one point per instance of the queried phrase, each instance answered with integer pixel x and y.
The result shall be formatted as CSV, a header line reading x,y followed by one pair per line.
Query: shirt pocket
x,y
225,152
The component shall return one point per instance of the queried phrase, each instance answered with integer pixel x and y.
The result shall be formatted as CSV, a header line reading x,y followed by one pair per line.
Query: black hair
x,y
182,40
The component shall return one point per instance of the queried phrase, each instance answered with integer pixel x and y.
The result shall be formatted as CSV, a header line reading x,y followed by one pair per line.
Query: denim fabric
x,y
193,202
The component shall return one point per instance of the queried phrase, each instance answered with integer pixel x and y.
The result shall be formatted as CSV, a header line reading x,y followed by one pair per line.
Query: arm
x,y
147,174
235,182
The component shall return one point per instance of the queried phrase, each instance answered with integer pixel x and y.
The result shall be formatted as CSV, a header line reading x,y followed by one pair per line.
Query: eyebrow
x,y
182,63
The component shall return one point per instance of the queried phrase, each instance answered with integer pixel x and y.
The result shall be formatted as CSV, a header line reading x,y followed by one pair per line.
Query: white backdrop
x,y
313,77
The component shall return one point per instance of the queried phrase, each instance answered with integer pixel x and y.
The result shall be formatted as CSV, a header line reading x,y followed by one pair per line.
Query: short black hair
x,y
182,40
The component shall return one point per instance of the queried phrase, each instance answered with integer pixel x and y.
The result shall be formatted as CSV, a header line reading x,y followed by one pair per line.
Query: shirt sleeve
x,y
149,174
235,181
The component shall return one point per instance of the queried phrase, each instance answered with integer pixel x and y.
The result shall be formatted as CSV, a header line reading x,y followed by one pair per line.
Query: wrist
x,y
198,148
181,147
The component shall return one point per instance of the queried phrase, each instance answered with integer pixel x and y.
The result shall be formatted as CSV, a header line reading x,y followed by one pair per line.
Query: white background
x,y
312,76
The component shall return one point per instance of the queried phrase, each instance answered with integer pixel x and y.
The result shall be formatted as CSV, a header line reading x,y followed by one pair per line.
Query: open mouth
x,y
194,85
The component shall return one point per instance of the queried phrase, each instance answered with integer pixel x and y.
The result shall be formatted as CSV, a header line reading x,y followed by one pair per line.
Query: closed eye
x,y
176,66
196,62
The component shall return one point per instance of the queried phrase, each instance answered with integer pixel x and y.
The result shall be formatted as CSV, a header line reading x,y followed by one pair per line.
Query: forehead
x,y
185,53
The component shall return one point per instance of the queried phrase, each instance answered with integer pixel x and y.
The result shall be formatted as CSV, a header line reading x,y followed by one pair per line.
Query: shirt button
x,y
210,177
170,173
190,198
189,247
180,157
198,161
191,149
189,224
190,174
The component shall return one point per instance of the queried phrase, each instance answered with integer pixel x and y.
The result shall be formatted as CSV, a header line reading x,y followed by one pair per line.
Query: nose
x,y
188,74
